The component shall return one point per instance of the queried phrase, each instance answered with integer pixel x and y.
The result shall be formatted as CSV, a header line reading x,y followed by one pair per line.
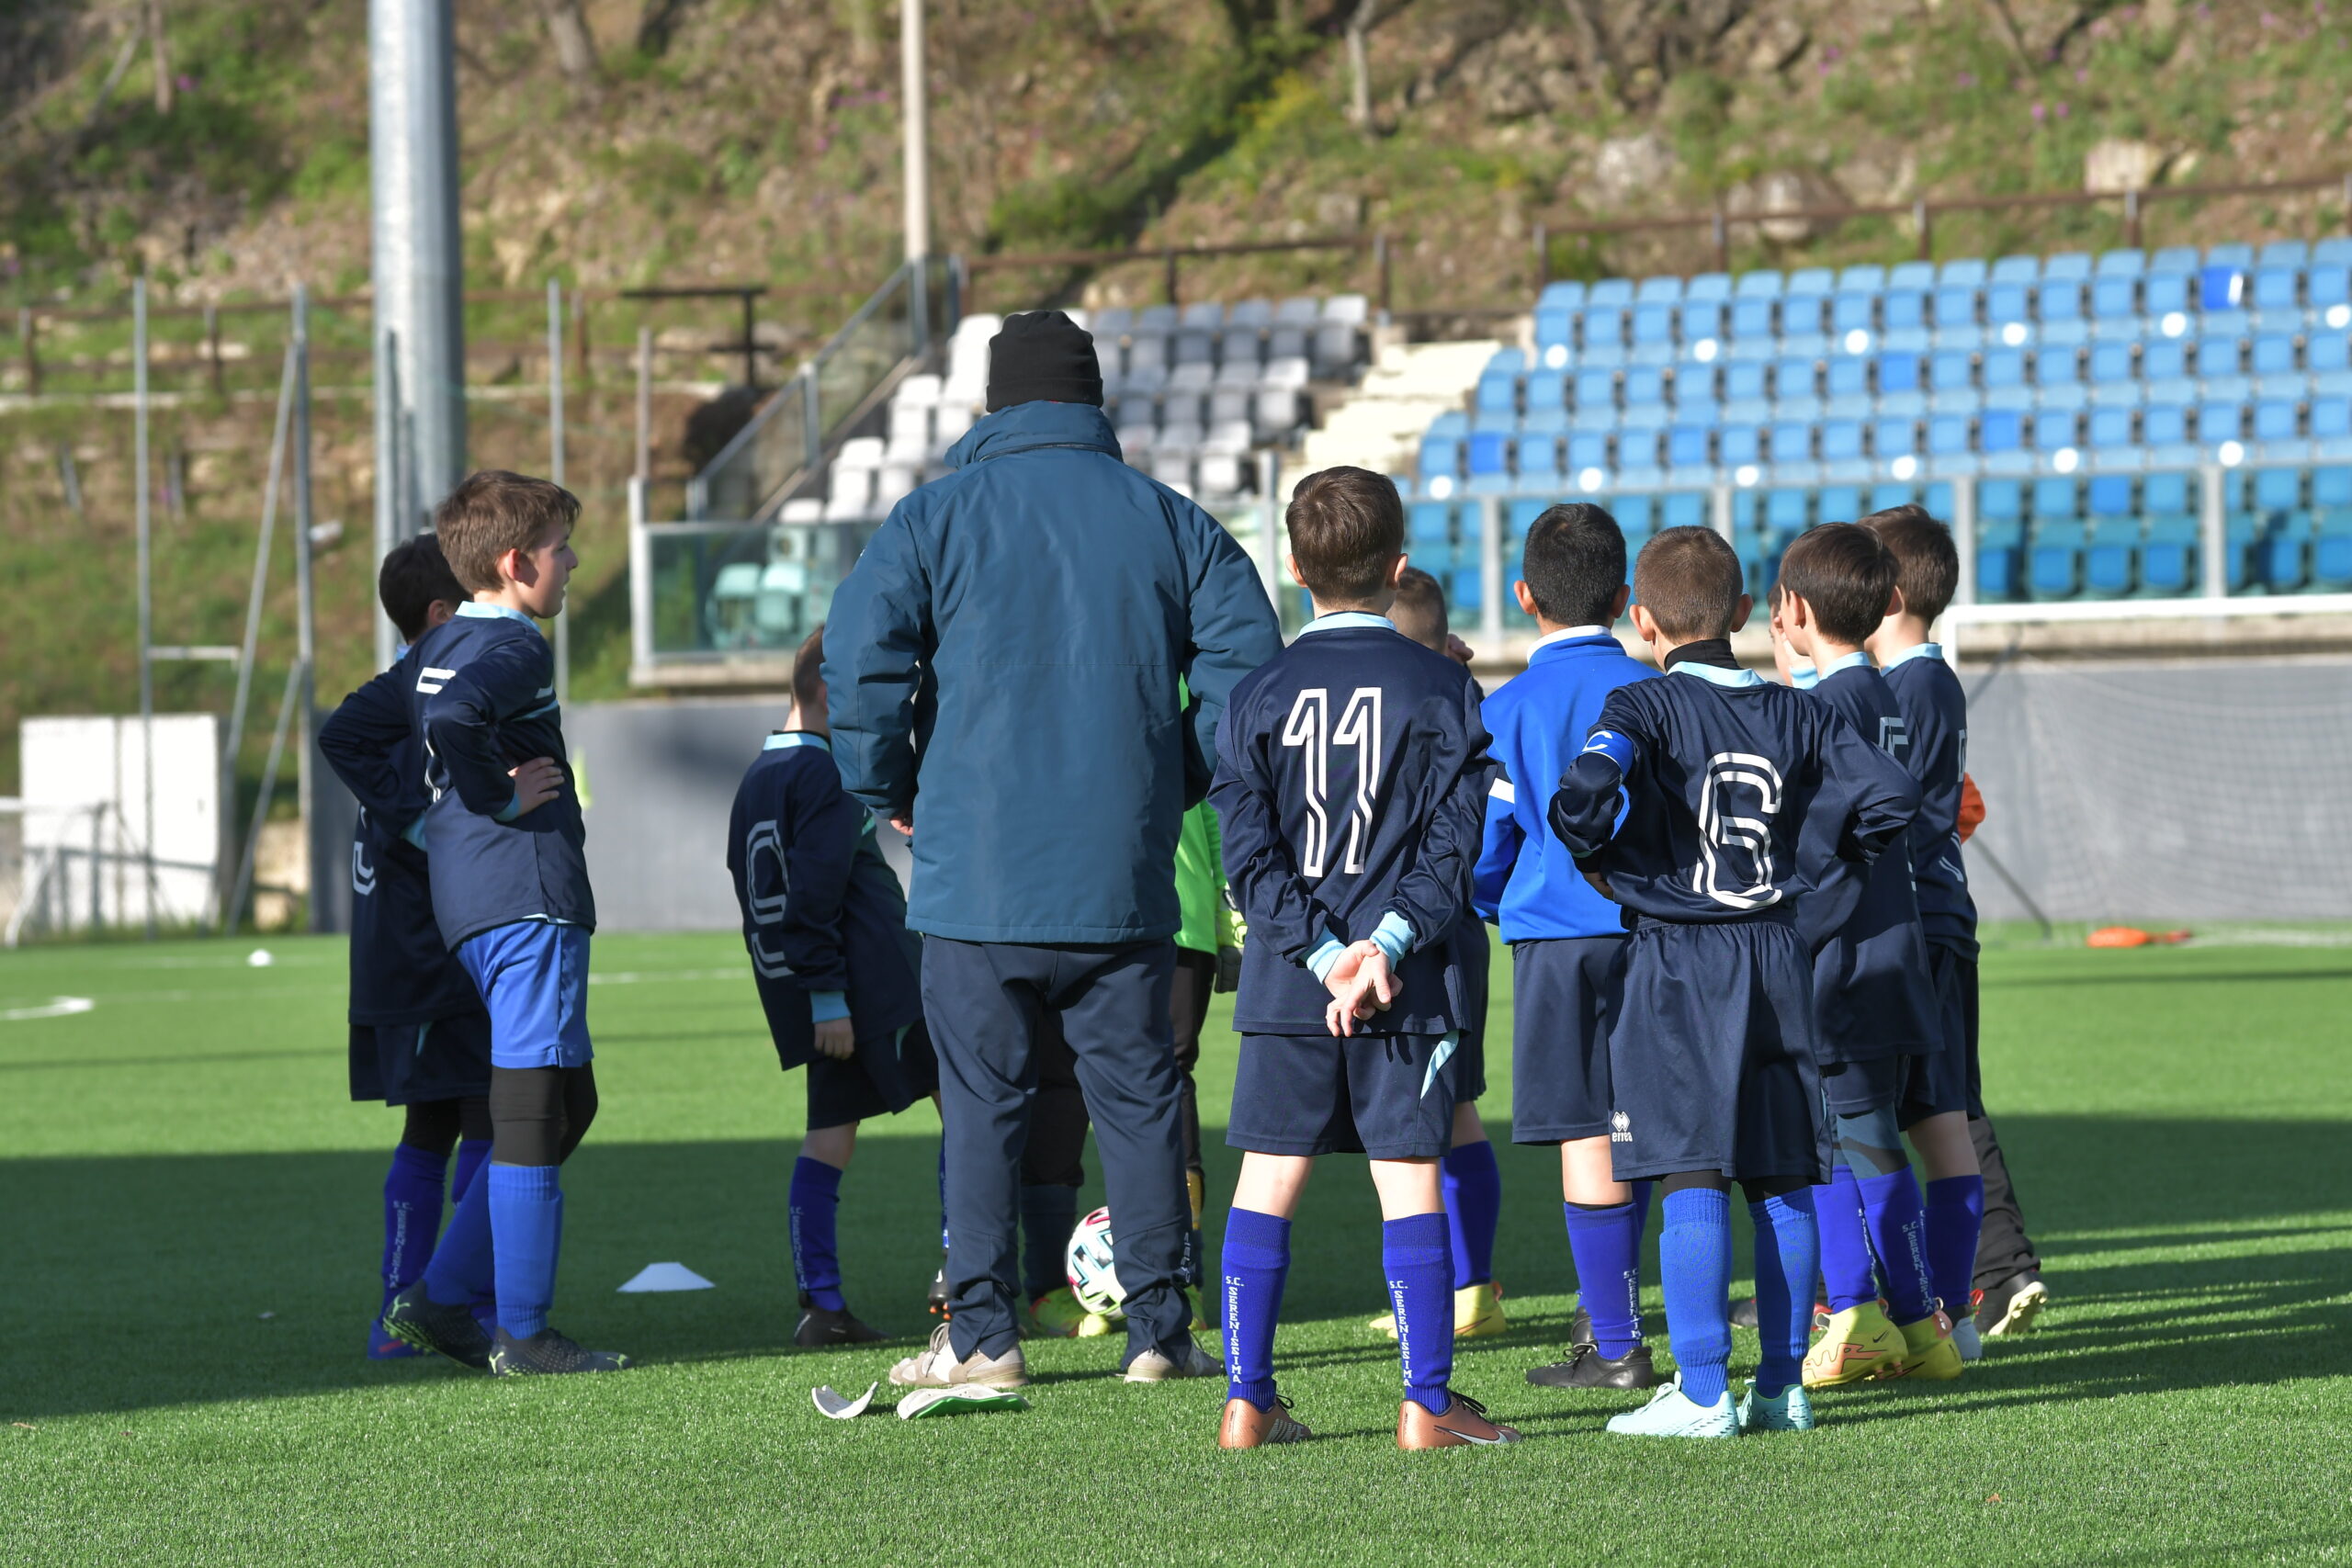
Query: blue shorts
x,y
533,976
1945,1078
417,1063
1564,994
1388,1096
887,1072
1710,1063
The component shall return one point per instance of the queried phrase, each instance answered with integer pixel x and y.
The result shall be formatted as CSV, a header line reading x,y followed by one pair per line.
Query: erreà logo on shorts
x,y
1621,1127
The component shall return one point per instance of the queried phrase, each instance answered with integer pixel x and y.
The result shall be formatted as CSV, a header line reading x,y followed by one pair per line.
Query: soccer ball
x,y
1092,1279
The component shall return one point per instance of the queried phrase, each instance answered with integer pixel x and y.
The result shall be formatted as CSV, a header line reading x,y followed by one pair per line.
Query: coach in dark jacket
x,y
1003,666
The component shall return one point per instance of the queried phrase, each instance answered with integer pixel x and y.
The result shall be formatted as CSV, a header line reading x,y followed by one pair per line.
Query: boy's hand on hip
x,y
1600,885
837,1038
537,782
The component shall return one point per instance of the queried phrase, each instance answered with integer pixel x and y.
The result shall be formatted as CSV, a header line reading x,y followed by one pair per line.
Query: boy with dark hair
x,y
1350,768
1791,670
1977,1246
512,902
1472,1182
838,972
1741,799
1567,942
419,1037
1872,1003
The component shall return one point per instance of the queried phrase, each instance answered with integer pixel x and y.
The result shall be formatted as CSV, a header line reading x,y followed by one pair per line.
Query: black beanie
x,y
1043,356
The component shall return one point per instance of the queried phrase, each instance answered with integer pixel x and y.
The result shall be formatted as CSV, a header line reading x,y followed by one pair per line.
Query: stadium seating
x,y
2082,394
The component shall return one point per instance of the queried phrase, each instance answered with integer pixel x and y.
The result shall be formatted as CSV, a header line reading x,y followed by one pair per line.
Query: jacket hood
x,y
1025,426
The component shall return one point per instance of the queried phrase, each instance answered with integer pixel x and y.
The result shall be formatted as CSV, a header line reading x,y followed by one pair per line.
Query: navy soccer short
x,y
1470,1038
1946,1078
417,1063
1564,999
1856,1089
1388,1096
1710,1061
533,976
882,1077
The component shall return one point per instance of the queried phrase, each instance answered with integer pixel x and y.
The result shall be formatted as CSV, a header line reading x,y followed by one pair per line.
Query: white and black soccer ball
x,y
1093,1279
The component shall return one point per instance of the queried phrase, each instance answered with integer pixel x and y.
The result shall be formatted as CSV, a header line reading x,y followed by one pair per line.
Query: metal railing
x,y
787,439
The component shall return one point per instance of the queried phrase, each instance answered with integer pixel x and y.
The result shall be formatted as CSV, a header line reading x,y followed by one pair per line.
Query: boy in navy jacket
x,y
420,1039
838,972
1567,942
1970,1199
1873,1004
1350,772
1740,799
512,899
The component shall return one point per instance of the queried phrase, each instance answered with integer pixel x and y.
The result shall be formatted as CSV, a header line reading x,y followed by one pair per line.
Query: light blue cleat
x,y
1791,1410
1673,1413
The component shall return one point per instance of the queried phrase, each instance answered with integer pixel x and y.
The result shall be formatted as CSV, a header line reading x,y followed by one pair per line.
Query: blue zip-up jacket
x,y
1527,882
1003,663
484,701
401,971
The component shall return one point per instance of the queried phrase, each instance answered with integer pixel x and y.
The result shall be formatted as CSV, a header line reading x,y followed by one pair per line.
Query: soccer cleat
x,y
935,1302
1155,1365
548,1352
1787,1411
1057,1314
1970,1344
937,1367
1464,1425
429,1325
1477,1313
1821,1315
1247,1427
383,1345
1743,1313
1860,1344
822,1326
1674,1414
1928,1352
1588,1368
2011,1306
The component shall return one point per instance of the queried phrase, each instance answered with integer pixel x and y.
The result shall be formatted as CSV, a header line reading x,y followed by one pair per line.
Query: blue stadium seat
x,y
2115,306
1753,325
2110,429
2164,296
2121,263
2332,529
1567,294
1850,313
1842,455
1886,496
2168,554
1587,452
1538,455
2327,355
2163,367
1899,385
2233,256
2277,421
2109,496
2067,263
2000,538
1638,455
1952,375
2284,252
1428,525
2005,308
1703,321
1612,291
1467,589
1761,284
2056,499
2219,422
1694,401
1902,321
1440,458
2056,430
2016,269
2054,564
1795,390
2219,358
1636,515
2283,529
1682,509
1664,289
1498,392
1948,439
1487,452
1812,282
1645,384
2110,552
1688,446
1654,333
2331,428
2005,383
1787,512
1893,438
1956,325
2164,430
2325,287
1792,443
1738,447
2059,299
1596,392
1708,285
2175,259
1546,390
2000,437
1848,381
1604,334
1839,503
2057,377
1911,275
2279,296
2220,289
1965,270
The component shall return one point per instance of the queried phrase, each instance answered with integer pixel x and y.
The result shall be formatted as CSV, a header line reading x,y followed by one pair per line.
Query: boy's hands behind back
x,y
1361,984
537,782
837,1038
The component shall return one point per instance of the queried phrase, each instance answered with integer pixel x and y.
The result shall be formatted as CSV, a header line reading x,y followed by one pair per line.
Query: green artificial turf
x,y
189,1224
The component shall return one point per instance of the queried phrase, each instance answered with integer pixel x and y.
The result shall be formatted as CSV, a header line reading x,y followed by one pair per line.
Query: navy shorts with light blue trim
x,y
888,1073
533,976
1945,1078
1387,1096
418,1063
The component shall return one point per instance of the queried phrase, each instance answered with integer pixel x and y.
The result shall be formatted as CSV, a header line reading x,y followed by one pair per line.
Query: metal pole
x,y
555,471
1720,514
295,679
418,267
914,87
262,542
305,597
1964,537
389,503
2212,533
1490,572
1270,522
145,513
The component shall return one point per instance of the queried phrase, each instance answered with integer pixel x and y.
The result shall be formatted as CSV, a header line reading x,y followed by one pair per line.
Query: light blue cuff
x,y
1392,936
414,831
1320,961
824,1007
512,810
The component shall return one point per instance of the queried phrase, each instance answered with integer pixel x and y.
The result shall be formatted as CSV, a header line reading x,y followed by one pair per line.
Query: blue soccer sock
x,y
1898,1228
1845,1243
1049,1214
1416,1254
527,1229
413,1192
471,1156
1474,1202
1788,1253
1255,1264
1694,1264
1955,1216
815,1261
1607,1246
462,1271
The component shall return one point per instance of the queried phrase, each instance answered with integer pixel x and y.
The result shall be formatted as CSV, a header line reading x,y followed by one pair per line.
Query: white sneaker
x,y
1155,1366
1674,1414
938,1368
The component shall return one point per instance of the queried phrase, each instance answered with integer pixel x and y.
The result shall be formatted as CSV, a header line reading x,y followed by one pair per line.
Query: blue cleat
x,y
1791,1410
383,1345
1673,1413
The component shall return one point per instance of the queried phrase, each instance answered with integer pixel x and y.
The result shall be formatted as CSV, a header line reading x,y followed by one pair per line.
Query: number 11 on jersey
x,y
1310,729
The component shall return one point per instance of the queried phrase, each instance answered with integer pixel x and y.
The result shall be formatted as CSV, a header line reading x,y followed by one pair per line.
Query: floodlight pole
x,y
306,605
915,90
555,472
144,512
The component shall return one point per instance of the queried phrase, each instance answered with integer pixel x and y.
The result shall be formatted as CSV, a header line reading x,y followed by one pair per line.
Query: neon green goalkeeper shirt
x,y
1200,884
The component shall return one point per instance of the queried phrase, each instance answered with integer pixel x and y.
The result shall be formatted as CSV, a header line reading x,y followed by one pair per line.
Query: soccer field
x,y
190,1222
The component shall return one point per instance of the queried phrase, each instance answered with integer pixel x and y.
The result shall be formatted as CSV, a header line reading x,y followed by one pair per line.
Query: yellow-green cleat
x,y
1057,1314
1928,1351
1858,1344
1477,1313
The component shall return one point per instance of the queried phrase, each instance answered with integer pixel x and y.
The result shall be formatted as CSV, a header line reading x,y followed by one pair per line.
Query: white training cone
x,y
259,958
665,1277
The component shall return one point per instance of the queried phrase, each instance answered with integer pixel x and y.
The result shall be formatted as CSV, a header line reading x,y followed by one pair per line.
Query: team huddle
x,y
1743,951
